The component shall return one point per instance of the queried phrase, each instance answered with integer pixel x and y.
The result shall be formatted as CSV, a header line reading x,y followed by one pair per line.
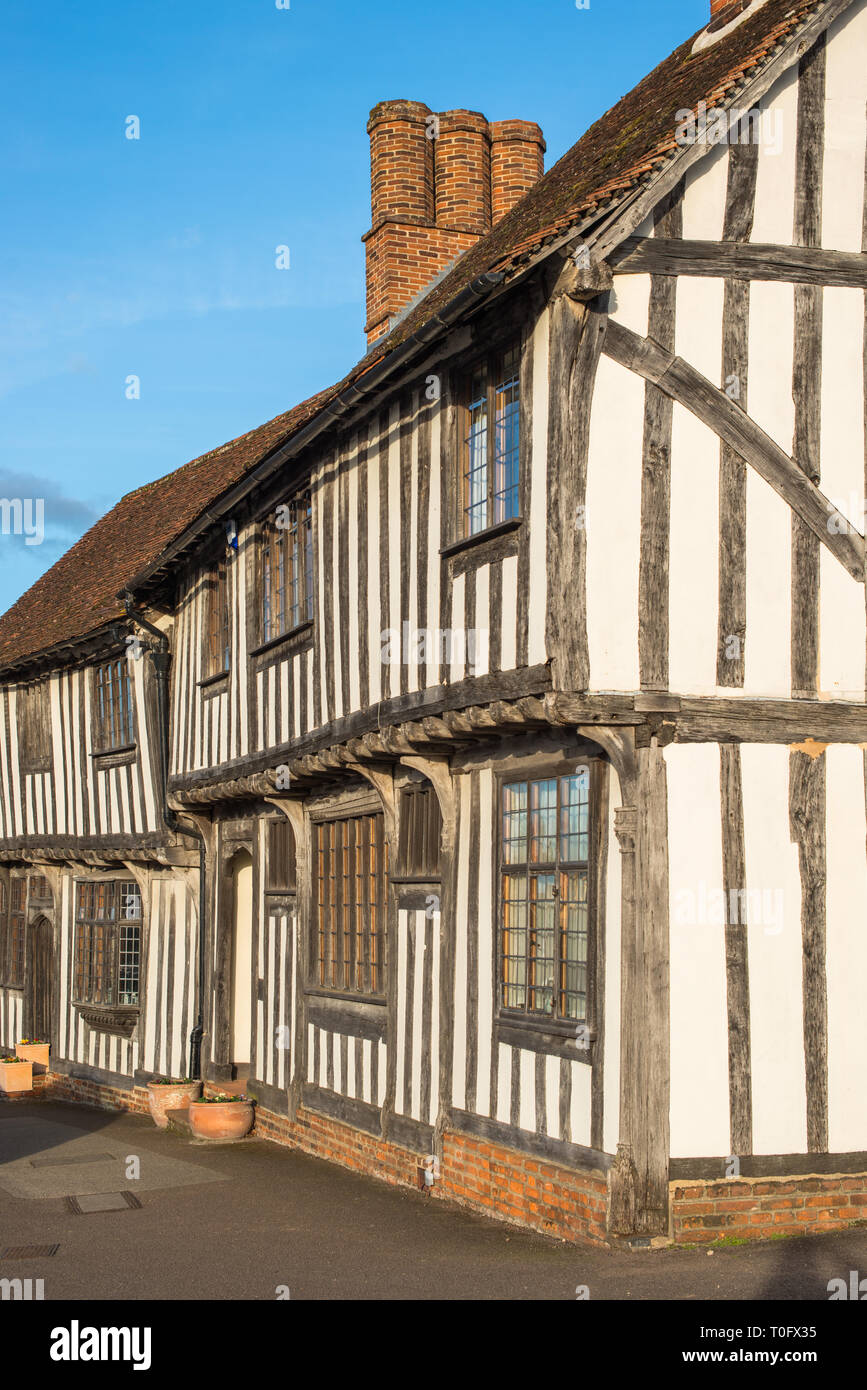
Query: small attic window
x,y
724,21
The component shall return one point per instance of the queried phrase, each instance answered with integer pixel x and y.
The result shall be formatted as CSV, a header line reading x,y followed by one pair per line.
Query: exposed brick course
x,y
757,1208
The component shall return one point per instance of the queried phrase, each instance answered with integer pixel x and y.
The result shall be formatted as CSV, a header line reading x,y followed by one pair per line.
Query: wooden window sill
x,y
490,533
114,757
208,682
536,1033
293,637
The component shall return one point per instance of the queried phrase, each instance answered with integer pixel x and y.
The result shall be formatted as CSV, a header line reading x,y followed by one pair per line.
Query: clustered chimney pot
x,y
439,182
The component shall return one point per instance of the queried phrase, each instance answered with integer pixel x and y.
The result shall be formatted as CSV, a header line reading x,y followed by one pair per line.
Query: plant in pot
x,y
168,1093
33,1050
221,1116
15,1075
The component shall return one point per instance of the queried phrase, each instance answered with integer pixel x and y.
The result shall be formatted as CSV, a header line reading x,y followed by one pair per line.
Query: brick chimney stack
x,y
438,182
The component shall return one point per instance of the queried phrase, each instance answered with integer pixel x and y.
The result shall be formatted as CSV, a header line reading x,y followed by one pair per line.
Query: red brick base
x,y
511,1186
476,1173
757,1208
54,1085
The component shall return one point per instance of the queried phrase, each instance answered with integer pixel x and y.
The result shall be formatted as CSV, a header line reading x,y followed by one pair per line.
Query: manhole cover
x,y
28,1252
74,1158
102,1201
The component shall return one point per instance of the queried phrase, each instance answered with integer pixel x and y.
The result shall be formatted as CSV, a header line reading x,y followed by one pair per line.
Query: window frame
x,y
553,1031
290,887
492,364
374,990
13,934
112,734
34,727
217,633
420,831
90,996
291,548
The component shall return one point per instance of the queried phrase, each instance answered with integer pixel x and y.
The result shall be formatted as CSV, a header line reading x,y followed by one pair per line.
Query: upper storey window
x,y
490,448
217,649
34,729
287,569
113,720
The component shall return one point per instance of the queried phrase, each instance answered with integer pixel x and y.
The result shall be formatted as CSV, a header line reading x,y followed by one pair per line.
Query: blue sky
x,y
155,257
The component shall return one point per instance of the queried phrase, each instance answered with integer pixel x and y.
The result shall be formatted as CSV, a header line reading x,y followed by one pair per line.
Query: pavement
x,y
258,1221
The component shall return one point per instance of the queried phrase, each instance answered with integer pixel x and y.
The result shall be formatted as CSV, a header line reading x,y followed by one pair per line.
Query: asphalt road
x,y
243,1221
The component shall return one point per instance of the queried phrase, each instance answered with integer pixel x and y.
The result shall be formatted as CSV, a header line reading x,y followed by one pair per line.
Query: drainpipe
x,y
170,818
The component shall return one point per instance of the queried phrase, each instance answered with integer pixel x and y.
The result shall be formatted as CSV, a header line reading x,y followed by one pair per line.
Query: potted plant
x,y
166,1094
221,1116
15,1075
32,1050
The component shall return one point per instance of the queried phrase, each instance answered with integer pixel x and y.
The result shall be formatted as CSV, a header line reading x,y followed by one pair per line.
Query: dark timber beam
x,y
679,380
735,260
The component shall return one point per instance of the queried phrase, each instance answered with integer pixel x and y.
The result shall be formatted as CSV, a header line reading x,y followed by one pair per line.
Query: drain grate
x,y
102,1201
28,1252
64,1162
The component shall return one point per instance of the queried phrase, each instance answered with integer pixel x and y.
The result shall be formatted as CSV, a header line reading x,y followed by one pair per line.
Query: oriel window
x,y
490,444
544,896
287,569
107,952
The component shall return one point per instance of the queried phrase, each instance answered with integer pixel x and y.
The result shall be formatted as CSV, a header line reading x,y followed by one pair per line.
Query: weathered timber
x,y
691,389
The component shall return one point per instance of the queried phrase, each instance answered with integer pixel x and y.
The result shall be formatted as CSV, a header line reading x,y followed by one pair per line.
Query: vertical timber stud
x,y
807,828
639,1176
576,335
653,576
807,368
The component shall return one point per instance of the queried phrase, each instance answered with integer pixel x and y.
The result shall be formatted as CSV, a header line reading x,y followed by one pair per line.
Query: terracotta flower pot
x,y
174,1096
33,1052
16,1076
223,1119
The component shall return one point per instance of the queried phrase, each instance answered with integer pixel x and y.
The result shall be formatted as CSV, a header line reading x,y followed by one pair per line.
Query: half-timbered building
x,y
470,762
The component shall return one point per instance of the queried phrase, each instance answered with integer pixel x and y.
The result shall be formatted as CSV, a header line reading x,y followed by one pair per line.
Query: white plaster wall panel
x,y
775,176
613,521
845,107
846,949
704,199
699,1018
775,954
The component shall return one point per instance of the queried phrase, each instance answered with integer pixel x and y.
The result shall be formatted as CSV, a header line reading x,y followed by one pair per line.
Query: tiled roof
x,y
77,595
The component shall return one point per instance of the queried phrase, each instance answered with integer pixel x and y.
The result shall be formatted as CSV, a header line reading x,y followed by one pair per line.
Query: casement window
x,y
287,569
113,715
490,444
420,830
107,953
279,856
350,867
544,896
34,728
217,650
12,934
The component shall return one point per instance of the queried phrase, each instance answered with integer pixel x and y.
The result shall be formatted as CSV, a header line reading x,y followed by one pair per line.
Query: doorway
x,y
41,992
242,964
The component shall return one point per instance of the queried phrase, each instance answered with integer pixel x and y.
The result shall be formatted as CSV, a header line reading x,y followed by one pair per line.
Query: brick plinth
x,y
55,1086
475,1173
758,1208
